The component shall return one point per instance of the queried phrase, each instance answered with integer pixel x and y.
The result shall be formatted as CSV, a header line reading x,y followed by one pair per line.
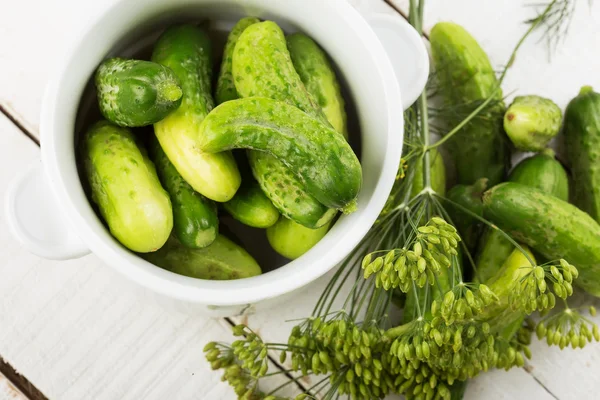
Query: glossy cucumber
x,y
195,221
317,155
125,187
582,133
186,50
225,86
316,72
542,172
468,197
466,78
531,122
222,260
251,207
292,240
136,93
552,227
261,47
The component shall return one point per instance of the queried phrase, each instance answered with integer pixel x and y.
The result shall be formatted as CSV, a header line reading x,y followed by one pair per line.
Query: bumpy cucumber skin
x,y
292,202
466,78
186,50
222,260
225,86
261,47
292,240
313,66
438,175
469,197
542,172
136,93
125,187
582,133
318,156
251,207
195,221
552,227
531,122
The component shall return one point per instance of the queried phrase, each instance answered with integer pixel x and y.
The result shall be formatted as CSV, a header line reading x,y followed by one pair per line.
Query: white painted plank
x,y
8,391
77,330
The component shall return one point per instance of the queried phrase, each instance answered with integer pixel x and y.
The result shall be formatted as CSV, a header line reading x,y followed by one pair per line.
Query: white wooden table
x,y
75,330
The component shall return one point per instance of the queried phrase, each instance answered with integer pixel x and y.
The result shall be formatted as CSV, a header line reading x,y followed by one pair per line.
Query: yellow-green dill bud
x,y
366,260
418,248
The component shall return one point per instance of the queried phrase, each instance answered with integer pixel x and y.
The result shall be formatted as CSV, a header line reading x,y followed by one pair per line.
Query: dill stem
x,y
462,123
400,330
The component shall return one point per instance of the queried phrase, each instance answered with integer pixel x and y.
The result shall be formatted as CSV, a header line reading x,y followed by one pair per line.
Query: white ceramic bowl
x,y
49,213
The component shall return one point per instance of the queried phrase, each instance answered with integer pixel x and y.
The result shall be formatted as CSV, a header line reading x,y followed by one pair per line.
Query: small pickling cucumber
x,y
283,188
552,227
531,122
292,240
125,187
468,197
313,66
186,50
541,171
317,155
222,260
262,66
225,86
466,78
251,207
195,221
582,133
438,175
136,93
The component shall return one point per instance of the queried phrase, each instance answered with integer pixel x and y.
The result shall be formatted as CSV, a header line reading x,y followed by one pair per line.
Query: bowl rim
x,y
248,290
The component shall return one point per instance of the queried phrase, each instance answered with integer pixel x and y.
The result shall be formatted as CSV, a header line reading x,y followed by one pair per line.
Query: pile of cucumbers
x,y
278,102
531,204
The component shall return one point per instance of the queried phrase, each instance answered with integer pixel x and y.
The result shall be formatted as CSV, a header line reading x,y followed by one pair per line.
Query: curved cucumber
x,y
195,221
136,93
222,260
318,156
292,240
225,86
186,50
552,227
531,122
542,172
466,78
582,133
258,47
126,189
313,66
251,207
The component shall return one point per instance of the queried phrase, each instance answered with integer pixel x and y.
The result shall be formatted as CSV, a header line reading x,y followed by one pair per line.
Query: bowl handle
x,y
36,220
406,51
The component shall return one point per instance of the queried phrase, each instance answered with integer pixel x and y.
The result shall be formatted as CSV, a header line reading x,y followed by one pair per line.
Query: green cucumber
x,y
251,207
466,78
469,197
136,93
582,133
292,240
195,221
552,227
313,66
125,187
438,175
222,260
542,172
259,48
317,155
531,122
186,50
225,86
